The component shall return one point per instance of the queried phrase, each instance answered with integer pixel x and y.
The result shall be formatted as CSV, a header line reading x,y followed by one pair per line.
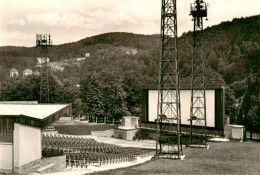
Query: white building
x,y
42,60
80,59
27,72
87,55
14,72
55,67
21,126
134,52
36,72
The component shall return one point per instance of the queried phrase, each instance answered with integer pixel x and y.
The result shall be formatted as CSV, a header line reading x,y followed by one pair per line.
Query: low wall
x,y
65,119
27,145
45,165
125,134
234,131
107,133
6,157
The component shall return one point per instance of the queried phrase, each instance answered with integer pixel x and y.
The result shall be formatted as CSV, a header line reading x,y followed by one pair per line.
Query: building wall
x,y
185,98
27,145
6,156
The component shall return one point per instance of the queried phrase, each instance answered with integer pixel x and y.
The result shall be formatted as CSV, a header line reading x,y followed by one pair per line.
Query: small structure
x,y
87,55
134,52
21,126
42,60
55,67
234,131
227,120
14,72
27,72
129,126
80,59
36,73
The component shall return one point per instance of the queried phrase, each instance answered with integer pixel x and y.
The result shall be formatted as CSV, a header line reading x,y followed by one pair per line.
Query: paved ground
x,y
220,158
148,144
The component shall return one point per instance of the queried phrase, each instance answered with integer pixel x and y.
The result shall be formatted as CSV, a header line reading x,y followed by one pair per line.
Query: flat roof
x,y
38,111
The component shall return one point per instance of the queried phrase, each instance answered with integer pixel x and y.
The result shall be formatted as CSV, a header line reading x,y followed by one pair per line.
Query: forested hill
x,y
232,54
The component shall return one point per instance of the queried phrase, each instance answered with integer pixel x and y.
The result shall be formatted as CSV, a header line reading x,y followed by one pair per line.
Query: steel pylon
x,y
198,122
44,41
168,144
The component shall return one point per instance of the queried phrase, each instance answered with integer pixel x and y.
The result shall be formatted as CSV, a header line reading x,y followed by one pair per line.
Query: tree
x,y
133,96
91,95
28,89
115,98
249,111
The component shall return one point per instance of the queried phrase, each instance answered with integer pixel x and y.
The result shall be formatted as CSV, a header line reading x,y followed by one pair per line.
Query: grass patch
x,y
220,158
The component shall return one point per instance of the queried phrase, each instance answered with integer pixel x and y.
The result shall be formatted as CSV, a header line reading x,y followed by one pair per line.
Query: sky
x,y
72,20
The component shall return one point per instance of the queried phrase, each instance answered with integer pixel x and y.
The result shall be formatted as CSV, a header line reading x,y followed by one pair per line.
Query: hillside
x,y
232,54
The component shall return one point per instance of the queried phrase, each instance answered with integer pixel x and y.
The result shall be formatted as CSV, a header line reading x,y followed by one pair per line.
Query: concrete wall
x,y
125,134
238,133
27,145
234,131
185,98
107,133
65,119
6,156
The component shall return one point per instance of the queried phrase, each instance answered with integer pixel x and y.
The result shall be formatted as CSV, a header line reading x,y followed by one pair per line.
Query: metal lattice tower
x,y
197,119
44,41
168,143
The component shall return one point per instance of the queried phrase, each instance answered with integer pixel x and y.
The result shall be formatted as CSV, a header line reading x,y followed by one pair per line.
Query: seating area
x,y
82,151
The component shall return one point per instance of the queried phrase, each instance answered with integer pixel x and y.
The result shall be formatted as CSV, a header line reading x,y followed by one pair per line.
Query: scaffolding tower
x,y
168,144
198,122
44,41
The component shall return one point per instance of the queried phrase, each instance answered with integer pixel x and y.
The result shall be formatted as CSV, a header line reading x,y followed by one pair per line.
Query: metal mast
x,y
44,41
197,119
168,143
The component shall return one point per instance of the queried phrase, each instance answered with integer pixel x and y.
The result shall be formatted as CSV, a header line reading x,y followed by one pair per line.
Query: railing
x,y
6,136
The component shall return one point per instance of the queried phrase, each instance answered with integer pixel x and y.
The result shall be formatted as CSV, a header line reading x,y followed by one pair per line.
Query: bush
x,y
49,152
142,135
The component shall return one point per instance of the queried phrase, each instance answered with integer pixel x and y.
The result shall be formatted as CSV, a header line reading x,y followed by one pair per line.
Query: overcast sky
x,y
72,20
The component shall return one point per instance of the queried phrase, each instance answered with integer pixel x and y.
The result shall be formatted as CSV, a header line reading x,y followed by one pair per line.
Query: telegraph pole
x,y
198,122
44,41
168,144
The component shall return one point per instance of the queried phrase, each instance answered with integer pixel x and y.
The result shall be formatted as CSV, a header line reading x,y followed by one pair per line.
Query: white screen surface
x,y
185,98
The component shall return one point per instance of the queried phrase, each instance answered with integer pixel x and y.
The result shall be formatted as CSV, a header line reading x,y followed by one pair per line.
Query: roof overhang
x,y
37,115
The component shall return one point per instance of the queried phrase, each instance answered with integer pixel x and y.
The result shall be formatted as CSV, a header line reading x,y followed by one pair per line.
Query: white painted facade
x,y
14,73
87,55
185,99
27,72
27,145
41,60
6,156
129,123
